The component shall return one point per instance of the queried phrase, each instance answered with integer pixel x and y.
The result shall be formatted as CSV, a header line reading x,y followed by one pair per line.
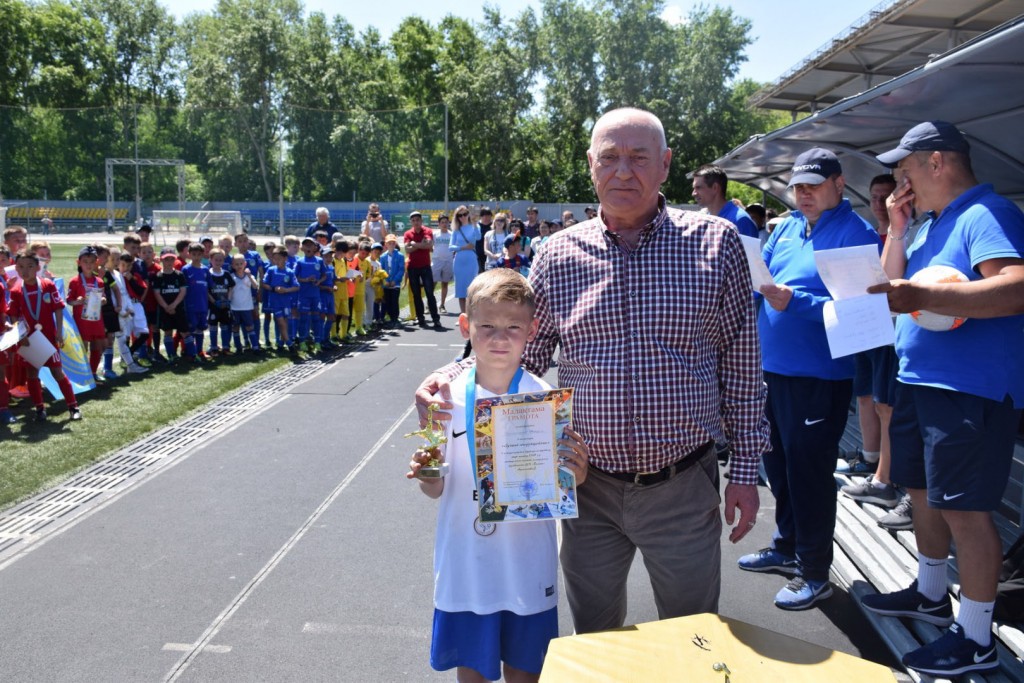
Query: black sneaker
x,y
439,327
952,654
40,414
910,603
423,323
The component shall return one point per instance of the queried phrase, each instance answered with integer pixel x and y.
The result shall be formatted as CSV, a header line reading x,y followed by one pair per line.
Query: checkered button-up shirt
x,y
660,342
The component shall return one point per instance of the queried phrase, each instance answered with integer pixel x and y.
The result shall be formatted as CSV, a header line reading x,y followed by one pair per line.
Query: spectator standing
x,y
960,391
322,222
709,187
419,243
808,391
465,237
374,226
483,226
442,258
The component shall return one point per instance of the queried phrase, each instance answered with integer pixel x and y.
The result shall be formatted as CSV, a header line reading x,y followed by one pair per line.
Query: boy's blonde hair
x,y
217,251
36,246
291,239
500,285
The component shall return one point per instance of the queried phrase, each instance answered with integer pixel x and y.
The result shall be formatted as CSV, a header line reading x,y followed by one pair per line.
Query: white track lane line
x,y
211,631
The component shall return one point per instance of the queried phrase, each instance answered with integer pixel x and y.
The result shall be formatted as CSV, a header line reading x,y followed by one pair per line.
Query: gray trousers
x,y
677,526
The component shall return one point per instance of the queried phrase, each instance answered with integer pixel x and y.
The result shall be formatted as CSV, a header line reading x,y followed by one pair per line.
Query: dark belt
x,y
665,473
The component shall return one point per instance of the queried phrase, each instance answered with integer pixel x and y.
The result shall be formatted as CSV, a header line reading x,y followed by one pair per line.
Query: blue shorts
x,y
483,641
327,303
957,446
242,319
875,374
309,304
278,311
197,320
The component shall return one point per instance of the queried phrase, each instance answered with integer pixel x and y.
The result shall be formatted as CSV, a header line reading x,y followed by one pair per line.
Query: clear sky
x,y
784,31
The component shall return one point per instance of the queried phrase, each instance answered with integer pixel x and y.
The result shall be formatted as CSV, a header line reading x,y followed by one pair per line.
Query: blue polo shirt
x,y
793,341
984,357
738,217
198,280
306,268
278,277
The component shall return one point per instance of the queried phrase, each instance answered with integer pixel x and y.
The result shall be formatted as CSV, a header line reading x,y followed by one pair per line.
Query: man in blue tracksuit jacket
x,y
808,392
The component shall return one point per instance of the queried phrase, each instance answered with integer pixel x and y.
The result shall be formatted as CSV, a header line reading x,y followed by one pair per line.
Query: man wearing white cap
x,y
960,391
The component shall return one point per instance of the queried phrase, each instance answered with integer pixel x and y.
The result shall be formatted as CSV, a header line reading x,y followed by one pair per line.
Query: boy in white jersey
x,y
495,593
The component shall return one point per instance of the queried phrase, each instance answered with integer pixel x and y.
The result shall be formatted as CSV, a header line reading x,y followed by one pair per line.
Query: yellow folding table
x,y
701,648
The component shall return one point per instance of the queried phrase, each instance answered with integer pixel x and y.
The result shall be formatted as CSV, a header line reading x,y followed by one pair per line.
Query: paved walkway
x,y
286,545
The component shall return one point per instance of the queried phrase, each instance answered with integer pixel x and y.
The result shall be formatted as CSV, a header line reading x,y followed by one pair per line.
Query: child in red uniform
x,y
80,289
37,302
6,416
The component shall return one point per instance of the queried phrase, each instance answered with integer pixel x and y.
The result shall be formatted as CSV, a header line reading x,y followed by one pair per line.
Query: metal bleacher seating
x,y
871,559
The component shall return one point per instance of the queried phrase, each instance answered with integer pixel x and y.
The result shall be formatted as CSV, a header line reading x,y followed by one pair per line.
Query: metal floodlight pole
x,y
138,185
446,157
280,190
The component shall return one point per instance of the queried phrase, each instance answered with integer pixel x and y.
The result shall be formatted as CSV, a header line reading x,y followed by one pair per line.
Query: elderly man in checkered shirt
x,y
651,310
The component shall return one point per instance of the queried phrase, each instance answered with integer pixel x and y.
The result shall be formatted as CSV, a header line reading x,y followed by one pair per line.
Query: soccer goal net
x,y
195,224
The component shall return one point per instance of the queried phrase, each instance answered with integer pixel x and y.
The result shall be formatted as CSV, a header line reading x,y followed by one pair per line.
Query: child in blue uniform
x,y
279,286
309,271
197,301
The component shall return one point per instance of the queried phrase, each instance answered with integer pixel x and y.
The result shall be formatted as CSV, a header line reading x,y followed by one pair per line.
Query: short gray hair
x,y
322,210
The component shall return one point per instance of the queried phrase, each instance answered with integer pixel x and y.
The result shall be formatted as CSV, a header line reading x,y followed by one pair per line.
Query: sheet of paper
x,y
12,336
525,461
849,271
521,463
38,350
858,324
759,274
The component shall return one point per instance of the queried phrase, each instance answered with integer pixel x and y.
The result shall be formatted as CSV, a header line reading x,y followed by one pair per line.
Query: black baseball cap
x,y
87,251
145,227
930,136
814,167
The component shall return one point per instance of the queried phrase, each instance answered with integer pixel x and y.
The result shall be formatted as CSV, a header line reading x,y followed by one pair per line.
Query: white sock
x,y
931,577
870,456
881,485
976,618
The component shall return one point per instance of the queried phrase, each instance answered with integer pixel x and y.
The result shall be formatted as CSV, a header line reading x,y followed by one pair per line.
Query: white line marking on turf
x,y
222,618
427,345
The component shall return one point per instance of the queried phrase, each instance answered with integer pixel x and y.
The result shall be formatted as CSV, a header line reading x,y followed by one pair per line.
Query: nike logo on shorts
x,y
946,496
809,422
456,435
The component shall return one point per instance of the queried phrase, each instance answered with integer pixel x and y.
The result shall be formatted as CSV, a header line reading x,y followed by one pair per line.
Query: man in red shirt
x,y
419,242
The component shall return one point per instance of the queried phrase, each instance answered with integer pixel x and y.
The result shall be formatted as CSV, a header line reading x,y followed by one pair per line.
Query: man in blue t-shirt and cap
x,y
809,391
960,390
709,184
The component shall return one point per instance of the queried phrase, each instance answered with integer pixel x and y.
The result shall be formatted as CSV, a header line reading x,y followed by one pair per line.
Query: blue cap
x,y
814,167
930,136
377,245
510,240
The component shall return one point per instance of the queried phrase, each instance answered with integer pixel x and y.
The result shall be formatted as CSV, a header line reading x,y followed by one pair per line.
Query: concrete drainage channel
x,y
29,521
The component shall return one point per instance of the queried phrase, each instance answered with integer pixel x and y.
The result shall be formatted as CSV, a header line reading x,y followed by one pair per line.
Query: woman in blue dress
x,y
465,235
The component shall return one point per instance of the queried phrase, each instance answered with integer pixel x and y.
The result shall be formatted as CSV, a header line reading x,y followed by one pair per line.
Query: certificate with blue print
x,y
519,475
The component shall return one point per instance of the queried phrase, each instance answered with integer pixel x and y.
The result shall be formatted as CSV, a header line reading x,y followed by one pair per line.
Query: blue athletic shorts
x,y
278,311
309,304
957,446
327,303
875,374
197,320
242,319
483,641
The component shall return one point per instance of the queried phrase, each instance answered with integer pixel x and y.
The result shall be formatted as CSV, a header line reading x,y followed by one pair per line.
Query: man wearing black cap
x,y
960,391
808,391
144,232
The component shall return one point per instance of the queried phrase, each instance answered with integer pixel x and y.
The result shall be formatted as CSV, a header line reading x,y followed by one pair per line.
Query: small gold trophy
x,y
435,467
